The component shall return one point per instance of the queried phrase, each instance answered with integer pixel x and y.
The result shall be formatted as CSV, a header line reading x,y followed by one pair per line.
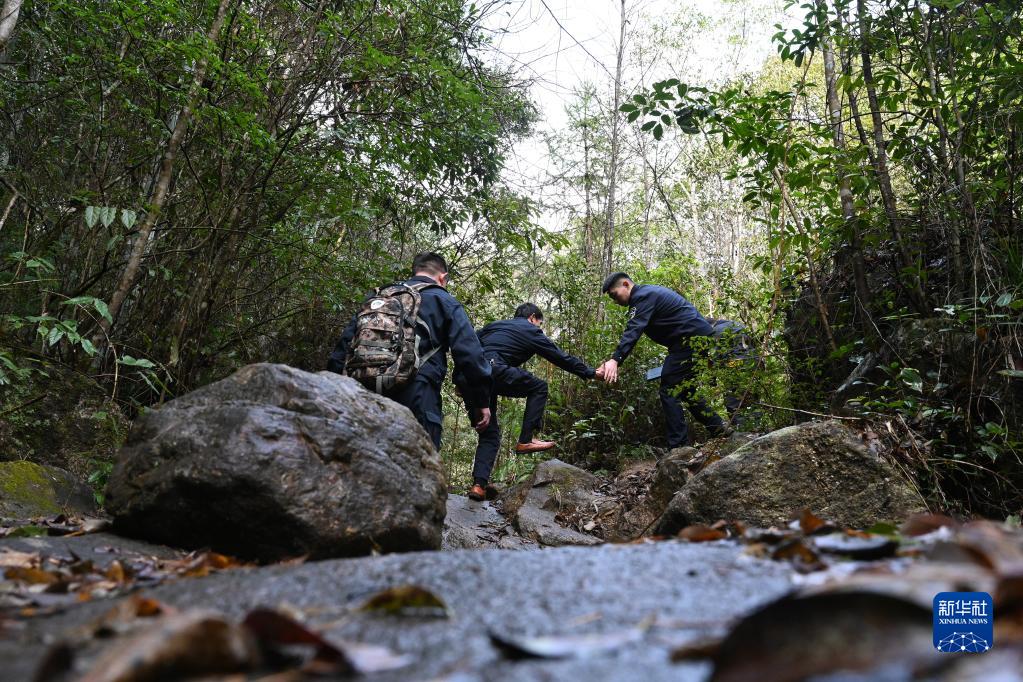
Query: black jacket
x,y
451,329
515,341
664,315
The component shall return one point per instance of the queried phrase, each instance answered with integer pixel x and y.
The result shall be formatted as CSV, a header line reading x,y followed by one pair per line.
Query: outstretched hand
x,y
608,371
483,419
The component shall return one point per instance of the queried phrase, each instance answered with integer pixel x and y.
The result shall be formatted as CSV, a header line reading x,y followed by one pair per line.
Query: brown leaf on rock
x,y
701,533
407,600
31,575
800,637
921,524
10,558
275,629
190,643
991,545
810,524
802,557
125,615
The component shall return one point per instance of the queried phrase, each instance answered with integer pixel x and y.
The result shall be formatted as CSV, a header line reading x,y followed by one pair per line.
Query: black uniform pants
x,y
677,386
423,399
510,382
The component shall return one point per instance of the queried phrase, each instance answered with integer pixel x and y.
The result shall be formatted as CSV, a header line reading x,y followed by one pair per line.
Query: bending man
x,y
671,321
508,344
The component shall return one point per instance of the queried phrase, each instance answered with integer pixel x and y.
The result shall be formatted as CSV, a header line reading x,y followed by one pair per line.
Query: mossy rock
x,y
821,466
61,418
28,490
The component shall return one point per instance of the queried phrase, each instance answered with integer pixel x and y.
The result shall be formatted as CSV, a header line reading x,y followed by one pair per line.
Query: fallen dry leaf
x,y
810,524
189,643
701,533
30,575
802,557
407,600
800,637
12,559
921,524
274,629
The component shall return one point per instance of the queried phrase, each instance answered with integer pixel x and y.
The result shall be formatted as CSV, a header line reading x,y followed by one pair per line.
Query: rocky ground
x,y
708,563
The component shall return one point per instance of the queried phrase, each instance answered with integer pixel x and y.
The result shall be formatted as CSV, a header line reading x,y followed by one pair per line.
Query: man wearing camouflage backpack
x,y
397,345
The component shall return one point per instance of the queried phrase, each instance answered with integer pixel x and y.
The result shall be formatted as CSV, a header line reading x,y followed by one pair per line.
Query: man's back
x,y
449,331
516,340
669,316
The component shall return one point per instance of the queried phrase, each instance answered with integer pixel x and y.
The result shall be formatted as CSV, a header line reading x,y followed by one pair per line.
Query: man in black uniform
x,y
669,320
450,330
507,345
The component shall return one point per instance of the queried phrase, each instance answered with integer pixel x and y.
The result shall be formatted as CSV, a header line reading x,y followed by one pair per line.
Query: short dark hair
x,y
613,279
527,310
431,262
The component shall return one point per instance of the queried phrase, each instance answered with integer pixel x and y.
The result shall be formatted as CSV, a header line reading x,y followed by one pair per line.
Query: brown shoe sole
x,y
535,448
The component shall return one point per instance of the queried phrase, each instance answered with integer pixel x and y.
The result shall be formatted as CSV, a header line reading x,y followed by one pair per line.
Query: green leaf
x,y
91,215
128,218
1011,373
1004,300
912,378
107,215
658,131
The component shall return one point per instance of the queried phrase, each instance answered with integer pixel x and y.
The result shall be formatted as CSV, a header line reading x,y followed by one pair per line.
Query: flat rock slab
x,y
101,548
691,589
479,525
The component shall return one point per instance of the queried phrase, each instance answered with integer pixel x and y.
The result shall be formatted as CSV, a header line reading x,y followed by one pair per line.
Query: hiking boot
x,y
535,446
477,493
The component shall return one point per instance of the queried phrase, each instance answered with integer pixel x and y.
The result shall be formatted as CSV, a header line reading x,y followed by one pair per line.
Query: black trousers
x,y
510,382
423,399
677,386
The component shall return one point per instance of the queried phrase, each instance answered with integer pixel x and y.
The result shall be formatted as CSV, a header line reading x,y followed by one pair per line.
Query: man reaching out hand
x,y
671,321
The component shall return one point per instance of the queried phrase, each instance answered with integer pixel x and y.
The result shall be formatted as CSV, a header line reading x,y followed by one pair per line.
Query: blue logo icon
x,y
964,622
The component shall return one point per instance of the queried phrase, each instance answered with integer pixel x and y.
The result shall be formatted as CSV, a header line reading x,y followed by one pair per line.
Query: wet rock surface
x,y
823,466
28,490
274,462
676,589
555,489
479,525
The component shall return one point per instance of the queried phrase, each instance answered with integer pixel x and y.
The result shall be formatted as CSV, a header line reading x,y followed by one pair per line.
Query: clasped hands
x,y
608,372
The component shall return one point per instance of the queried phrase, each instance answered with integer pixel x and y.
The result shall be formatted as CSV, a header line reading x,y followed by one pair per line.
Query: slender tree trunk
x,y
158,196
588,191
880,158
8,20
822,309
944,148
612,184
853,254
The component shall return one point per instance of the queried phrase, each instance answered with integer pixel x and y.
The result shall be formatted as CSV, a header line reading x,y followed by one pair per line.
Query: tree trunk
x,y
158,195
8,20
853,255
612,184
880,158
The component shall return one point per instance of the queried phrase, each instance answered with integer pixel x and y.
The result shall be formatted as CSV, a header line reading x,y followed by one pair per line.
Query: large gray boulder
x,y
274,462
822,466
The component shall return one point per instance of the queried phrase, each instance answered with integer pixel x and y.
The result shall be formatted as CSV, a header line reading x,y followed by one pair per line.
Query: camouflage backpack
x,y
384,353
